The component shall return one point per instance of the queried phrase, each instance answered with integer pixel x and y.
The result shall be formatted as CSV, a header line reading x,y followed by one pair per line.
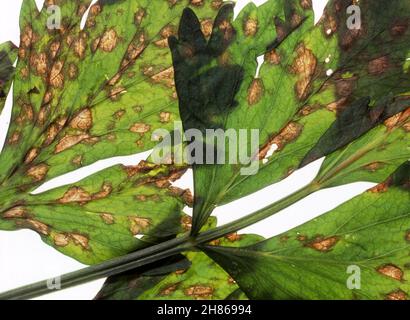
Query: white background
x,y
24,258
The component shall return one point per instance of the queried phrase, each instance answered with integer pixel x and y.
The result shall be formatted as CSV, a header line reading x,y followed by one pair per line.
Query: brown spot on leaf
x,y
61,239
107,218
27,37
138,225
48,97
288,134
95,9
82,8
72,71
119,114
399,28
186,222
215,242
79,45
22,53
165,117
307,110
281,29
233,237
199,291
169,290
75,194
165,33
14,138
216,4
284,238
206,27
378,66
69,141
392,271
197,3
38,226
397,120
140,128
141,197
349,38
108,40
53,129
407,236
329,24
381,187
250,27
105,191
54,47
185,194
38,173
16,212
304,66
80,240
179,272
255,91
26,114
39,63
115,93
397,295
31,155
42,114
91,141
139,15
24,72
165,77
323,244
56,76
83,120
272,57
135,49
141,167
227,30
373,166
295,20
77,160
306,4
301,238
345,87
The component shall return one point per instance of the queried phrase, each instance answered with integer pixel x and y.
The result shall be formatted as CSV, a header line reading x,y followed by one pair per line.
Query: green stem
x,y
258,215
157,252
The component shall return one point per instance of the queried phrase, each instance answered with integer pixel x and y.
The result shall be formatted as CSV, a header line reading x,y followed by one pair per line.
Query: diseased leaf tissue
x,y
324,90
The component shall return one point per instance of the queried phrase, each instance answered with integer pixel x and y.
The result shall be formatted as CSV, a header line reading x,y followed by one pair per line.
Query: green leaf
x,y
82,95
99,217
353,56
369,234
195,277
216,85
86,95
294,101
8,54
